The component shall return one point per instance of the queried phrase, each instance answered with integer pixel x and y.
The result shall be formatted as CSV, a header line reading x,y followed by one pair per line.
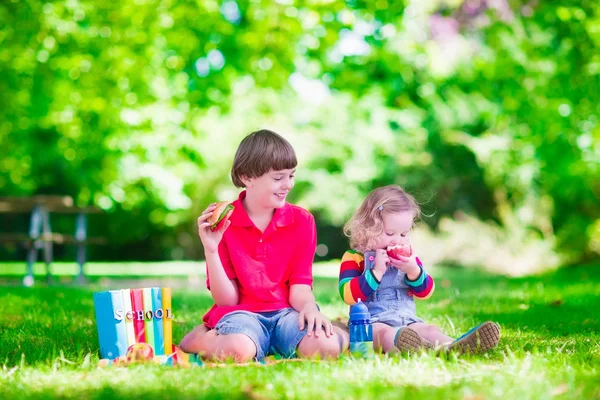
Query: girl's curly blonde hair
x,y
367,222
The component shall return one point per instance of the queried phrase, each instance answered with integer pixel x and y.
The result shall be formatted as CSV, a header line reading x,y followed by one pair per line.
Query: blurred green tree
x,y
485,107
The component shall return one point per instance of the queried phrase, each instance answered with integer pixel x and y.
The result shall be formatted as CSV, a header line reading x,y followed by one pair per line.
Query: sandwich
x,y
220,215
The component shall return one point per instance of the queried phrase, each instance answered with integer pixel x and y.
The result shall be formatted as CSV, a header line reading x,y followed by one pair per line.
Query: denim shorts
x,y
273,332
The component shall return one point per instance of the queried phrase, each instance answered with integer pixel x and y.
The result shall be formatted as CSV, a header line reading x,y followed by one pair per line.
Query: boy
x,y
259,266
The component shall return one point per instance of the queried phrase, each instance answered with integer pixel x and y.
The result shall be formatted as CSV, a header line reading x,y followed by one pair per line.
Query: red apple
x,y
139,352
403,250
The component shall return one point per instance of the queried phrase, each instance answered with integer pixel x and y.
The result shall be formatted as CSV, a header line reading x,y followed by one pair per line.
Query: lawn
x,y
550,346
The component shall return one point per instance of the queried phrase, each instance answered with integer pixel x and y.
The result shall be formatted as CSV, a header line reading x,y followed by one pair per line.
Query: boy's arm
x,y
353,283
223,290
302,300
423,286
303,252
220,274
301,297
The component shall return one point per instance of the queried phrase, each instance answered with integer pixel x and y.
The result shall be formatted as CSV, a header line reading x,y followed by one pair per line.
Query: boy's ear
x,y
246,181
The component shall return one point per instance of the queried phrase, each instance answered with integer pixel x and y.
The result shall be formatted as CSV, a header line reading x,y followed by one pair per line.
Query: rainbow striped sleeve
x,y
354,284
422,288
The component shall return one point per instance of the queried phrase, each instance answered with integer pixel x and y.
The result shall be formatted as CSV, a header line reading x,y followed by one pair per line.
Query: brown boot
x,y
478,340
409,340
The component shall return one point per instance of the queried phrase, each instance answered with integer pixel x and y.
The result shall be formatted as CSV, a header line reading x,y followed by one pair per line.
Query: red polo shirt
x,y
267,263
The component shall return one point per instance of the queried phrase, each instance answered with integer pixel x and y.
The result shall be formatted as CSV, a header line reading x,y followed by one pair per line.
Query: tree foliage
x,y
489,108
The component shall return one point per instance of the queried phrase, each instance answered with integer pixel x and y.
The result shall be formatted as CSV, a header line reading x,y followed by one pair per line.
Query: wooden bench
x,y
40,235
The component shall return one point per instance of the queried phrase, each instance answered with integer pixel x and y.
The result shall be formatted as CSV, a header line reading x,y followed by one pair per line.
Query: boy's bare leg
x,y
323,346
190,342
210,345
431,333
343,333
343,337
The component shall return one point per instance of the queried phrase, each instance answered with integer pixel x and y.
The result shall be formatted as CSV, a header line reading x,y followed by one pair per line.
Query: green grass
x,y
550,346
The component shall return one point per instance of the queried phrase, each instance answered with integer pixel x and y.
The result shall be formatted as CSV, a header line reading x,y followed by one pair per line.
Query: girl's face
x,y
396,229
270,189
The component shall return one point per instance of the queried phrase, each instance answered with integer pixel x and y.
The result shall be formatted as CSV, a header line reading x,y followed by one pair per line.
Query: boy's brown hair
x,y
367,222
260,152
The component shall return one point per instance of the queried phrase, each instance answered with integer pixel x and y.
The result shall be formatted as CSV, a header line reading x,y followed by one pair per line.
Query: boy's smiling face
x,y
271,189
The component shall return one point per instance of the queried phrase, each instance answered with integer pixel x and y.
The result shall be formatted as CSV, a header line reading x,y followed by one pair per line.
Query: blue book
x,y
128,315
158,311
110,321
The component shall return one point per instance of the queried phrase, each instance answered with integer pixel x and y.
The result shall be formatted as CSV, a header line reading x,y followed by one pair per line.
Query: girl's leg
x,y
384,338
431,333
210,345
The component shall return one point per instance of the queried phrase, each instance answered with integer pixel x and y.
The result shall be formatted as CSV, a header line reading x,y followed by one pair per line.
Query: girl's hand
x,y
382,260
210,240
408,265
314,321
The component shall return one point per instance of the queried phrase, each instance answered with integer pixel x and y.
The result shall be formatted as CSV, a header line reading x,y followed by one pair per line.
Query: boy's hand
x,y
211,239
315,321
408,265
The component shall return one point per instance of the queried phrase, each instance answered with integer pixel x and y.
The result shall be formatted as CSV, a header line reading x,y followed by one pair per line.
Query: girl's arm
x,y
423,286
353,284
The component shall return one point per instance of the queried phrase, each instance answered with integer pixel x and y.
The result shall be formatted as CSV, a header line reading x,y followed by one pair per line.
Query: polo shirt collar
x,y
283,216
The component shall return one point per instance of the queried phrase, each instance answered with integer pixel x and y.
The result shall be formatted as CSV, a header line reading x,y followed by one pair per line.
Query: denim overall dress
x,y
390,303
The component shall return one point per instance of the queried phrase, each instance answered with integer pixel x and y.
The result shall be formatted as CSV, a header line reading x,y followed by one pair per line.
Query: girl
x,y
388,284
